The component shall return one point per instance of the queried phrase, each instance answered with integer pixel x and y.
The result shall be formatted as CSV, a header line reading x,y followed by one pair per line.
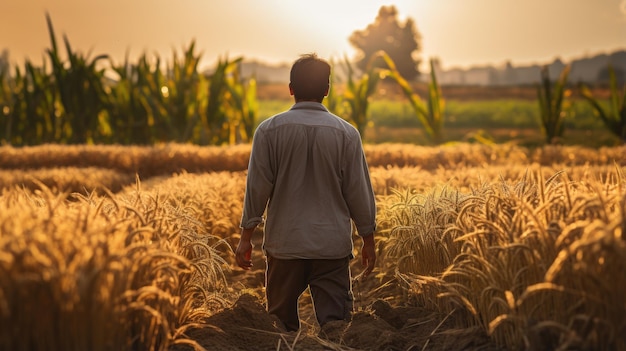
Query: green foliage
x,y
553,104
134,103
358,93
80,88
268,108
431,113
248,107
480,114
232,107
180,92
333,100
241,105
614,118
436,106
30,94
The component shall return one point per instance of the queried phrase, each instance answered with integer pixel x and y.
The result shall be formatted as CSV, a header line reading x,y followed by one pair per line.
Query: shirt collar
x,y
309,105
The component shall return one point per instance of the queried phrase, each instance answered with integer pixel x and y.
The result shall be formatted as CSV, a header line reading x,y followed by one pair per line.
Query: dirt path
x,y
247,326
383,320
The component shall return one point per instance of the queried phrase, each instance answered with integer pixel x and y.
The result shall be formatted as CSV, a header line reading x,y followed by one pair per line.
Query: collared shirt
x,y
308,169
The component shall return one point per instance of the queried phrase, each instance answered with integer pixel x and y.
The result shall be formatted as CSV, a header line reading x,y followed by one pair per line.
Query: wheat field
x,y
129,248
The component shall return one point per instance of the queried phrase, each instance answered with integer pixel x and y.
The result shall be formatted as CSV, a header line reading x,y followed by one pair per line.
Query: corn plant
x,y
28,103
431,113
615,117
144,104
182,86
358,92
6,102
553,104
177,105
231,108
153,89
80,89
41,104
333,101
130,115
214,116
241,108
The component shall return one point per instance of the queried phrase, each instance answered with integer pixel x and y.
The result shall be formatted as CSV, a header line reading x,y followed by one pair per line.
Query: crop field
x,y
483,247
485,114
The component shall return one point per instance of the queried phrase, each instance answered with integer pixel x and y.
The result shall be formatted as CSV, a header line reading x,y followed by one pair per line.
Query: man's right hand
x,y
243,253
368,254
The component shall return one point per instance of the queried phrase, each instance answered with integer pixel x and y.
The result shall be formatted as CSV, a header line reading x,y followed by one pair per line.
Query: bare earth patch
x,y
247,326
383,320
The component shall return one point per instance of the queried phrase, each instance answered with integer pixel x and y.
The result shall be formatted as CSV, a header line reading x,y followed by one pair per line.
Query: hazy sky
x,y
461,33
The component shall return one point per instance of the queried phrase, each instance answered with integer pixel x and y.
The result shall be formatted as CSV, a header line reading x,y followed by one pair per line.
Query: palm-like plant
x,y
333,100
614,117
431,113
358,92
553,104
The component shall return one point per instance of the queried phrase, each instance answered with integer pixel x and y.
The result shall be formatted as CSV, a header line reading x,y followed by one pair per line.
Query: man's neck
x,y
307,100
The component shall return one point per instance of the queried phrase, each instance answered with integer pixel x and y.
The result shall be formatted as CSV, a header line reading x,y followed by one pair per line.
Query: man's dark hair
x,y
310,78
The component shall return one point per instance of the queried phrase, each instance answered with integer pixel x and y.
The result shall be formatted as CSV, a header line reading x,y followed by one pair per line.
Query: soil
x,y
385,318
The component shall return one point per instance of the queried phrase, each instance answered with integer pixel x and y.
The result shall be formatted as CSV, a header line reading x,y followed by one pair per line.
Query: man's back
x,y
311,164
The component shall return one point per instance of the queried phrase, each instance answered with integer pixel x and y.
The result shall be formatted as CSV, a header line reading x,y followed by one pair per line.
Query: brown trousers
x,y
328,280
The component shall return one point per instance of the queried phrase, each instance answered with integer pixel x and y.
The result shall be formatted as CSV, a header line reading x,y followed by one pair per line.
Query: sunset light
x,y
361,175
458,32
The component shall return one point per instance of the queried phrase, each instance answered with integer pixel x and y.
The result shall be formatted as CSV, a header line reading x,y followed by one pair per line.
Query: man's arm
x,y
243,254
259,185
359,196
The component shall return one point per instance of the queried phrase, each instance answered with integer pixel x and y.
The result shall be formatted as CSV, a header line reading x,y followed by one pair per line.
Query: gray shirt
x,y
308,168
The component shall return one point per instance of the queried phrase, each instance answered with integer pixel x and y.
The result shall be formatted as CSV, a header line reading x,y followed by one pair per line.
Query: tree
x,y
400,41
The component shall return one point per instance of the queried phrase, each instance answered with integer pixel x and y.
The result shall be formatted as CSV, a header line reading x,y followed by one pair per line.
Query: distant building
x,y
265,73
589,70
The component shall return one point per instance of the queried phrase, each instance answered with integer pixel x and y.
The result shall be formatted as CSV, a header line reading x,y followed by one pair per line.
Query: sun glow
x,y
327,26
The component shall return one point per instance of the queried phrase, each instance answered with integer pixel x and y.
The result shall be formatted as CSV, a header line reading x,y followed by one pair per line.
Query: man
x,y
308,168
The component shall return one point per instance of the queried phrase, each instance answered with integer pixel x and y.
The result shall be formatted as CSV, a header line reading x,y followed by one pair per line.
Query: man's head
x,y
309,78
